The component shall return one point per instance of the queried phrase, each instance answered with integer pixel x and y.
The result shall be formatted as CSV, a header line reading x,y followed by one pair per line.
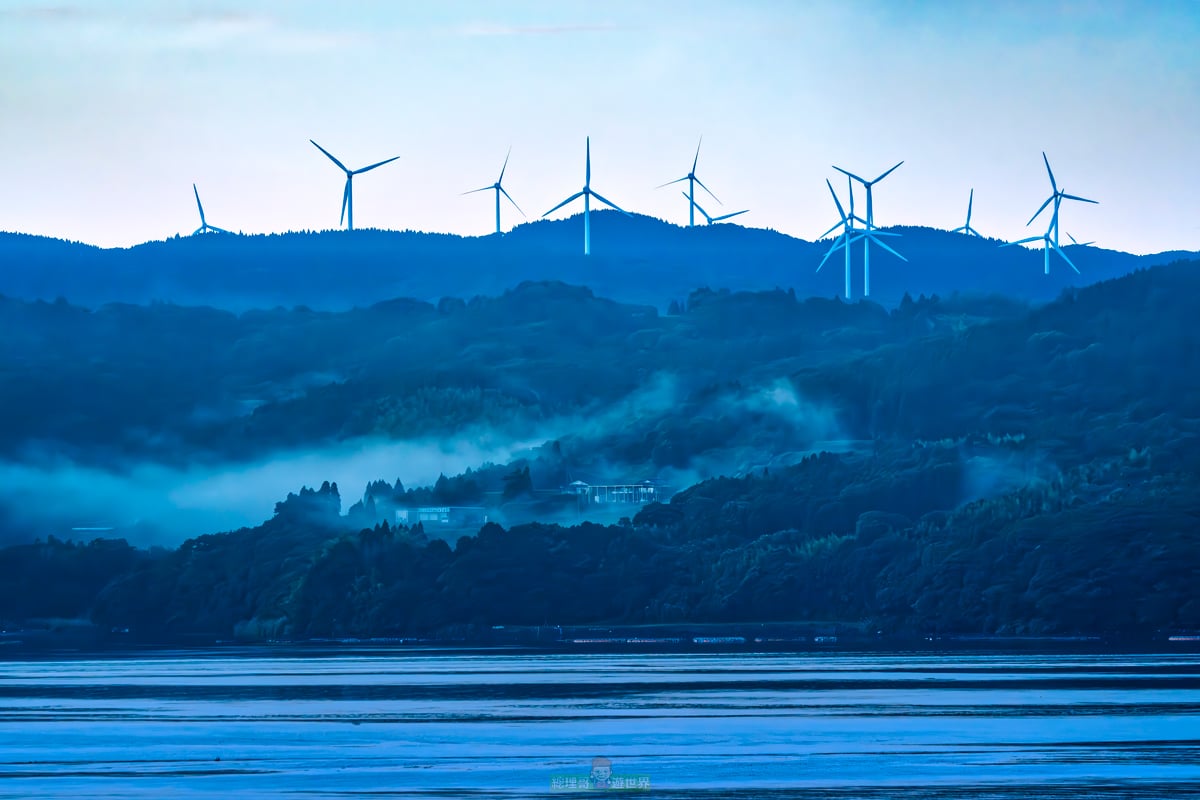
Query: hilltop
x,y
635,260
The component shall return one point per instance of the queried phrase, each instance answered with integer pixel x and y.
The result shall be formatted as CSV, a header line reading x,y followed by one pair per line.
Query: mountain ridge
x,y
637,260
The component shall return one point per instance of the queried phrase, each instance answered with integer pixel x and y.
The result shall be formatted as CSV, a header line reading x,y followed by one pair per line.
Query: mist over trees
x,y
958,465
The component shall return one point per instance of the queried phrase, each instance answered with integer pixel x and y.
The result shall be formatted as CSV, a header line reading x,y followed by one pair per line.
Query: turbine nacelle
x,y
867,234
708,217
498,188
1048,244
693,182
348,192
1056,197
204,226
587,194
967,229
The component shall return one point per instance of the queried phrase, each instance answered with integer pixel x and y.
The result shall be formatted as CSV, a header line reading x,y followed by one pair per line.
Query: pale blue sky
x,y
110,110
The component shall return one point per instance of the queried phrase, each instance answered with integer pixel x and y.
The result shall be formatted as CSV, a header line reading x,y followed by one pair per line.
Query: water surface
x,y
433,723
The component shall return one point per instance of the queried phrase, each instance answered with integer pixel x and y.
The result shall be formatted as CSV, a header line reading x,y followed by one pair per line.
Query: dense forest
x,y
957,465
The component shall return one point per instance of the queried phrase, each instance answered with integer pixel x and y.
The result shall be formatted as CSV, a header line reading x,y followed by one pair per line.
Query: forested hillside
x,y
1019,470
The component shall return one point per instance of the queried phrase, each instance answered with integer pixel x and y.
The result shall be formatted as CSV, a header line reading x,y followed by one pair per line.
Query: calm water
x,y
503,724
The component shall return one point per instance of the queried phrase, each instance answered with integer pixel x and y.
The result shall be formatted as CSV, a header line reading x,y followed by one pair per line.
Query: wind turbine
x,y
348,193
1048,243
499,191
870,234
1078,243
712,219
1050,238
967,229
690,194
845,240
587,194
204,226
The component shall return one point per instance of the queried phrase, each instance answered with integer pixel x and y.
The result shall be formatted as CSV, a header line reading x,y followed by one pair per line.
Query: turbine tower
x,y
709,218
690,194
204,226
1050,238
587,194
499,191
870,233
967,229
348,192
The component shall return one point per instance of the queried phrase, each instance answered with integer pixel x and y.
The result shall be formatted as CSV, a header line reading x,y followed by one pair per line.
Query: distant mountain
x,y
636,260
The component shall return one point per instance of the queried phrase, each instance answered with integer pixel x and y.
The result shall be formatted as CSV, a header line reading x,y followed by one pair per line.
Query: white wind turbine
x,y
967,229
1049,239
499,189
587,194
204,226
712,219
348,192
847,237
870,232
693,182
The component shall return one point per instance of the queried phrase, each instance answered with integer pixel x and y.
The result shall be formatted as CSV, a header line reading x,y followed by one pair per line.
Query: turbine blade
x,y
696,160
836,225
218,230
1049,172
197,193
727,216
201,229
1073,239
514,202
484,189
331,158
1042,208
1059,250
500,180
850,175
611,204
839,242
373,166
885,247
838,203
345,200
1080,199
575,196
1025,241
697,205
668,183
705,188
970,203
884,175
587,175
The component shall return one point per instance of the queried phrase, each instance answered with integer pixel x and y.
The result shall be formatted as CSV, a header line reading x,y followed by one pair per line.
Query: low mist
x,y
153,504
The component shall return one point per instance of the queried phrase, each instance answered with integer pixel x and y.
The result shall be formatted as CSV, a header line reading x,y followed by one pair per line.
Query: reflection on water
x,y
503,724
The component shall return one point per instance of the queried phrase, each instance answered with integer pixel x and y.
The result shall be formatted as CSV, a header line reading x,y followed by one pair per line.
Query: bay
x,y
411,722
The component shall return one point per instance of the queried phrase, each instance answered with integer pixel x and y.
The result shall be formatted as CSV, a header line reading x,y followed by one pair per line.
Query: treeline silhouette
x,y
636,260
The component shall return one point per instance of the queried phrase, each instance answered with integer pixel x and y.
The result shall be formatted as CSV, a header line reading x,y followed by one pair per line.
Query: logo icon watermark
x,y
600,779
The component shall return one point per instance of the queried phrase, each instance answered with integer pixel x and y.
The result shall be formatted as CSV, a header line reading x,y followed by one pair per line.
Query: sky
x,y
110,110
